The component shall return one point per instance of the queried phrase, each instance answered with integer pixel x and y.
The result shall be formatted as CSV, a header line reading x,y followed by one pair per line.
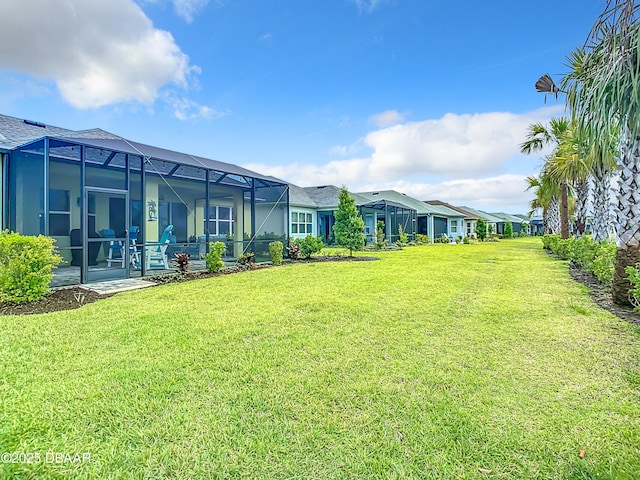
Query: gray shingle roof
x,y
507,217
442,210
327,196
15,132
398,197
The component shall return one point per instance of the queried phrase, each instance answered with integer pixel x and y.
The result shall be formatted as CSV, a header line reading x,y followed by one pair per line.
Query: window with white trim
x,y
454,226
301,222
220,220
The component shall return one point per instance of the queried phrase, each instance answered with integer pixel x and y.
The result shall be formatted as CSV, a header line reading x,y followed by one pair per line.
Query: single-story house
x,y
113,204
444,221
516,222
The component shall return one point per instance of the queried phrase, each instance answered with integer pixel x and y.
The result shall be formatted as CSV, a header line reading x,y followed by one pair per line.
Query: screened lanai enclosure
x,y
118,209
393,215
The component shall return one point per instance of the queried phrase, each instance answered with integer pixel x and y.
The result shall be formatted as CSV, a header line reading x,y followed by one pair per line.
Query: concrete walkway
x,y
115,286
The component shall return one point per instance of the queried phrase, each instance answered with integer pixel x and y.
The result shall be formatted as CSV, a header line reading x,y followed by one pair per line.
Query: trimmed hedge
x,y
26,264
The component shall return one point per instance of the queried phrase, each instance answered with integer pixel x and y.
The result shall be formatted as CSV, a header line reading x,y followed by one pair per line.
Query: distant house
x,y
317,204
470,219
312,210
445,220
516,222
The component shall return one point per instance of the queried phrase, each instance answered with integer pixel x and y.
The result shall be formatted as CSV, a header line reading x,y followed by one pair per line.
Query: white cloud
x,y
386,119
457,146
98,53
186,109
468,152
188,8
367,6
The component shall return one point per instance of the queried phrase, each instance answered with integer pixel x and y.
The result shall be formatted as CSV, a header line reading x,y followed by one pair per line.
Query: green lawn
x,y
443,361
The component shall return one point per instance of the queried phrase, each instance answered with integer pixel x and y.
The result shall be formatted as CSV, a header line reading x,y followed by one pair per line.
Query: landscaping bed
x,y
75,297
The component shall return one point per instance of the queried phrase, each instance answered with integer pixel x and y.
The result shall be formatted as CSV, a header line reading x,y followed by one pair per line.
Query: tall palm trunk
x,y
553,217
582,197
627,218
600,228
564,210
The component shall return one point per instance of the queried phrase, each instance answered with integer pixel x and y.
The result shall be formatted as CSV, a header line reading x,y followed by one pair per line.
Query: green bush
x,y
26,265
402,236
275,250
214,257
466,240
380,240
582,251
634,278
604,262
420,238
549,241
508,230
442,239
247,258
481,229
309,245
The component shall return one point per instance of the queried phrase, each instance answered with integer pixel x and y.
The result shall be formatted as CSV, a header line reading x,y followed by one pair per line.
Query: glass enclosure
x,y
116,213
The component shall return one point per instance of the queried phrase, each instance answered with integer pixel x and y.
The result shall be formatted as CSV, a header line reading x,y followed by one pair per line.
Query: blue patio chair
x,y
115,252
156,255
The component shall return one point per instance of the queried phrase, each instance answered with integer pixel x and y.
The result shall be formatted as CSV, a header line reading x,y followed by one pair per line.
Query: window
x,y
301,223
220,220
59,212
454,226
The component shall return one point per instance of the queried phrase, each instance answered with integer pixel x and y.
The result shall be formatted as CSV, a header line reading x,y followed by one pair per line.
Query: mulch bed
x,y
601,295
75,297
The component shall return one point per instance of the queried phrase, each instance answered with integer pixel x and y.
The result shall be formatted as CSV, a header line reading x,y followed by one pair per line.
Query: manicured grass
x,y
434,362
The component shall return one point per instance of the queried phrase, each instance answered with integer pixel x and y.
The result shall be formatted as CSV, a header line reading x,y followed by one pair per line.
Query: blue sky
x,y
428,97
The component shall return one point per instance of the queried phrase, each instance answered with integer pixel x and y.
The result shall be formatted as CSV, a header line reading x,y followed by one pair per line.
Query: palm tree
x,y
547,199
599,157
540,136
569,164
604,96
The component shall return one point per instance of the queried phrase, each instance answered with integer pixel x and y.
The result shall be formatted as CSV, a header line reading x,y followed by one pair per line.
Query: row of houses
x,y
312,208
113,205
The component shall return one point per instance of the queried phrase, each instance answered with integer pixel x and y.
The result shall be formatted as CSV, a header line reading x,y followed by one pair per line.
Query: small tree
x,y
481,229
490,229
381,241
349,226
508,230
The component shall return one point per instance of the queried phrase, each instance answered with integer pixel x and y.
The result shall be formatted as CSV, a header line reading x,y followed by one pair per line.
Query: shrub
x,y
481,229
182,262
420,238
275,250
246,258
582,251
459,239
549,241
26,265
293,250
214,257
402,236
634,278
508,230
465,240
442,239
381,241
604,262
309,245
